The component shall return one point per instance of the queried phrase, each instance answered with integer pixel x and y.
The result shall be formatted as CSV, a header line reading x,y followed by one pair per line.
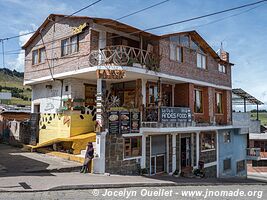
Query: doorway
x,y
157,164
185,152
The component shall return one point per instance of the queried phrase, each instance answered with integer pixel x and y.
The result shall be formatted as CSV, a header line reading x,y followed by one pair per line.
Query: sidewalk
x,y
75,180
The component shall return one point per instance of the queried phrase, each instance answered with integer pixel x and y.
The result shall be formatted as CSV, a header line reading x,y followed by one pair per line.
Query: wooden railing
x,y
253,153
124,56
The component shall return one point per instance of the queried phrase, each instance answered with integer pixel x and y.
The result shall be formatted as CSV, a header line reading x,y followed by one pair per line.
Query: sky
x,y
243,32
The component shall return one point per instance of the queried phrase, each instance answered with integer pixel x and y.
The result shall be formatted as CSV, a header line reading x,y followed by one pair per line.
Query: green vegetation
x,y
12,81
262,117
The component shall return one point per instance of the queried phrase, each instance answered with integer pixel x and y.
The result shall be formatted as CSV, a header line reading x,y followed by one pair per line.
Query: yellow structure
x,y
72,128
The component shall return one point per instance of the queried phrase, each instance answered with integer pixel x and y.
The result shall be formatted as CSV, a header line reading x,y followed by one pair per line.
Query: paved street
x,y
14,161
252,192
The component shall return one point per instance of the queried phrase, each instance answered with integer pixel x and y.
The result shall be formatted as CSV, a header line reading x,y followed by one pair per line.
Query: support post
x,y
167,154
173,153
197,148
245,105
257,111
143,160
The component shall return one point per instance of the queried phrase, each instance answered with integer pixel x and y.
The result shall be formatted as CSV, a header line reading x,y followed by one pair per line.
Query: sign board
x,y
79,29
113,122
124,122
5,95
175,114
110,74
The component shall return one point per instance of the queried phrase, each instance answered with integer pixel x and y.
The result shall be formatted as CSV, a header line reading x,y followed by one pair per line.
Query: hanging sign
x,y
110,74
79,29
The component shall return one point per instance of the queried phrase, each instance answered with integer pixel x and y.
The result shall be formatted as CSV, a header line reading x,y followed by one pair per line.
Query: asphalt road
x,y
223,192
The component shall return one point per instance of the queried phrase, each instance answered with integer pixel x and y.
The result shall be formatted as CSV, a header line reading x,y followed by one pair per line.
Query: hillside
x,y
12,81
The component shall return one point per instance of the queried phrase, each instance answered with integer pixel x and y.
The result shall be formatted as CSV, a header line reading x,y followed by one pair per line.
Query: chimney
x,y
224,55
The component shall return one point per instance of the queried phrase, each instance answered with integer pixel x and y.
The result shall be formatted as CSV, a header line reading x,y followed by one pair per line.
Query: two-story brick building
x,y
156,103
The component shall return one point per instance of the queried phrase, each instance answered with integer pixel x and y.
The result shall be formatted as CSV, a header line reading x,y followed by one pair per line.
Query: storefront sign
x,y
135,122
175,114
79,29
125,122
110,74
114,122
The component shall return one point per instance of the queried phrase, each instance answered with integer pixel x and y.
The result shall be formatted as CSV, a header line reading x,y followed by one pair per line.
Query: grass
x,y
262,117
16,101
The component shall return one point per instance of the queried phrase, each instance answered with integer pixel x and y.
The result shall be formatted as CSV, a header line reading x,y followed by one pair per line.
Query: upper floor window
x,y
221,68
201,61
218,98
198,101
70,45
176,53
152,94
38,56
227,137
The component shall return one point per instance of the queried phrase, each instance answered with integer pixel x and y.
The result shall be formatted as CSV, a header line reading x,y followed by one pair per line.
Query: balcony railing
x,y
122,55
253,153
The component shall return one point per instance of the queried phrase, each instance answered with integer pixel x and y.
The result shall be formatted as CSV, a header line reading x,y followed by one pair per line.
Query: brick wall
x,y
188,69
63,30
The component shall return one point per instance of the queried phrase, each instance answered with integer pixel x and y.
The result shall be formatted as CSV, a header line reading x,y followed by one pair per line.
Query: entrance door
x,y
157,164
185,152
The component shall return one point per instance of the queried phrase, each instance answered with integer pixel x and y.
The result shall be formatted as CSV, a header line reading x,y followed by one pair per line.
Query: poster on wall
x,y
114,122
125,122
135,122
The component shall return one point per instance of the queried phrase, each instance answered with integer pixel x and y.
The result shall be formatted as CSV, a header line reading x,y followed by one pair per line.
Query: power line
x,y
67,16
122,17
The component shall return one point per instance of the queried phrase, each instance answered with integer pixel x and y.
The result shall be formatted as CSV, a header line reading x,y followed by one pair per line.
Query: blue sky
x,y
244,35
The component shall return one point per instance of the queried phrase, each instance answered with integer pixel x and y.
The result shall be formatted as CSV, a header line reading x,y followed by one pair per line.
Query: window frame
x,y
212,137
38,51
201,101
174,55
204,67
230,164
227,137
131,148
67,49
222,68
220,103
238,170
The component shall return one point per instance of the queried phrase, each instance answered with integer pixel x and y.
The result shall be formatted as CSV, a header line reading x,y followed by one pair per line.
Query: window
x,y
35,57
207,141
198,102
227,137
152,93
227,164
132,147
66,88
219,107
70,45
221,68
240,166
176,53
38,56
201,61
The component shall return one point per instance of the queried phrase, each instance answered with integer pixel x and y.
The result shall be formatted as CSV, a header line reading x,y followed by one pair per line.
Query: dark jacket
x,y
89,152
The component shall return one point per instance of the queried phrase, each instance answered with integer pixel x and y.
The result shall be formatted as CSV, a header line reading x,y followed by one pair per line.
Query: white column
x,y
144,91
192,149
167,152
197,146
217,153
102,42
173,86
173,152
143,160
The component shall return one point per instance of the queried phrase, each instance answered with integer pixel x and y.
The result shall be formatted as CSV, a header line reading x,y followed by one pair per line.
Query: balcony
x,y
166,117
253,153
121,55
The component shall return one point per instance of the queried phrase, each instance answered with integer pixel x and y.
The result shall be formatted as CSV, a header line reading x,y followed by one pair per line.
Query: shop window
x,y
227,137
240,166
227,164
207,141
198,101
201,61
125,92
70,45
221,68
219,107
38,56
132,147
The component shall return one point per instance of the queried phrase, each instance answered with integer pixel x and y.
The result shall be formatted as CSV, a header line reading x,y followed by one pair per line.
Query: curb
x,y
57,170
